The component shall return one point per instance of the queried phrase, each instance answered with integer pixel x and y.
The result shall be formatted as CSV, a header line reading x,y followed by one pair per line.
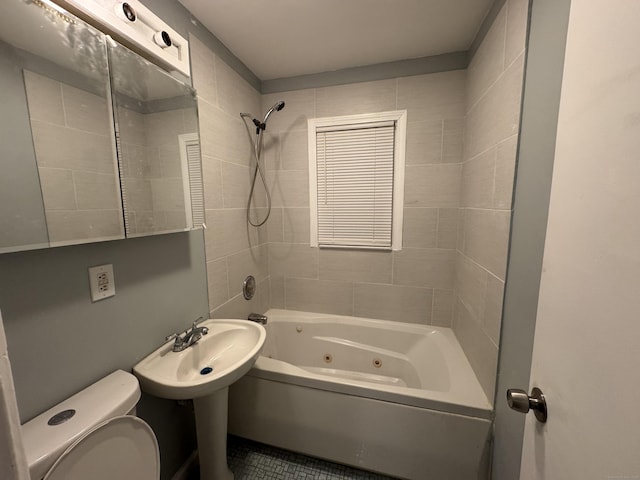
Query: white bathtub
x,y
395,398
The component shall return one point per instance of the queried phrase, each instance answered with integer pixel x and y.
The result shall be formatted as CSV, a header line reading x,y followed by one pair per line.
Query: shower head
x,y
263,125
277,107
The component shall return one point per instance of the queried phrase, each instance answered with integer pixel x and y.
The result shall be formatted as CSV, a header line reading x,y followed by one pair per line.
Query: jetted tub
x,y
395,398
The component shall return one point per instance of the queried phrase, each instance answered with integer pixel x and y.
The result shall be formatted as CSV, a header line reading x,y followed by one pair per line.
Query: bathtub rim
x,y
468,400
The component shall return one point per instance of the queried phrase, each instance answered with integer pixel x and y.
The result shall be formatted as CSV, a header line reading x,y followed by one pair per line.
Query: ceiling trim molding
x,y
381,71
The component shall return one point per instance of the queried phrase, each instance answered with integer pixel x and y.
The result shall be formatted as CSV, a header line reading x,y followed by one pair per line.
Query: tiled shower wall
x,y
461,150
411,285
233,249
76,162
494,90
152,171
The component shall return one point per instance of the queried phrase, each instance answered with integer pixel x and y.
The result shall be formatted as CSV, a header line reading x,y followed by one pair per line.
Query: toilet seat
x,y
122,448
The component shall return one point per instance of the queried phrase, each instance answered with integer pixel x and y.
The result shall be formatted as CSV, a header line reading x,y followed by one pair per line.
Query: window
x,y
356,180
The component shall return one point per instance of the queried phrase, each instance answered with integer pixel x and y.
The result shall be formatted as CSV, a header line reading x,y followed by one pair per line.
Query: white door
x,y
586,354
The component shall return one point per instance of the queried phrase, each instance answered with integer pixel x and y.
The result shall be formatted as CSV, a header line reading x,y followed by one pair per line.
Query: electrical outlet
x,y
102,282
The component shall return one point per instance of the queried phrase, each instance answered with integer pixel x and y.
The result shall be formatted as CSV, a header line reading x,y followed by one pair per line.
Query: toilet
x,y
93,435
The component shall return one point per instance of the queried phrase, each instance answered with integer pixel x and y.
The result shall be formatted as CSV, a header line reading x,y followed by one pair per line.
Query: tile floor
x,y
251,460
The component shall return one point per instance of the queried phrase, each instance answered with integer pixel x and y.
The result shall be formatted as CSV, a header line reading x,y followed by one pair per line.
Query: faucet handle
x,y
171,337
198,320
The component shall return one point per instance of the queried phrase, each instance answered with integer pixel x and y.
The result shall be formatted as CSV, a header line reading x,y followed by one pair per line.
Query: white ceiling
x,y
284,38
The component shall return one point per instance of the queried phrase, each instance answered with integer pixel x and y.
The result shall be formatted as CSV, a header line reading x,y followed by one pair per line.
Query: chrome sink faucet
x,y
191,336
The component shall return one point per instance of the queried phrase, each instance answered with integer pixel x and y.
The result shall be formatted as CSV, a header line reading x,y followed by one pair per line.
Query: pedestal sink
x,y
203,372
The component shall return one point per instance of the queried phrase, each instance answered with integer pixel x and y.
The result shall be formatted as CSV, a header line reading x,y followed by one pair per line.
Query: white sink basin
x,y
227,352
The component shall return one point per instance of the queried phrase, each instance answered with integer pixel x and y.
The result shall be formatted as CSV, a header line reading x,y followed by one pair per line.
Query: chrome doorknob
x,y
519,401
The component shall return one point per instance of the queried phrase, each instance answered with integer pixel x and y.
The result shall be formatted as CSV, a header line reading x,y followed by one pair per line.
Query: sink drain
x,y
328,358
206,370
377,363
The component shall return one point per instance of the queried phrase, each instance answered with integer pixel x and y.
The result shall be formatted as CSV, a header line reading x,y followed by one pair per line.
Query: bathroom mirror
x,y
159,154
96,143
59,180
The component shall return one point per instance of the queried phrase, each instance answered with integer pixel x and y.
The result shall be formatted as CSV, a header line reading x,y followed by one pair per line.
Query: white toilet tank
x,y
88,434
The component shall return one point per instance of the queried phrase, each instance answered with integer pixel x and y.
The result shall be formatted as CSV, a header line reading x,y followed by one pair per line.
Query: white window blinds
x,y
355,175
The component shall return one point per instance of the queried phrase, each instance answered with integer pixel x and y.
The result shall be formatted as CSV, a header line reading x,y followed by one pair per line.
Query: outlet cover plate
x,y
102,282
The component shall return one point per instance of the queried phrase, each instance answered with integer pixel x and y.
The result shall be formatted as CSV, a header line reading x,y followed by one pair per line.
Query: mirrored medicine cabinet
x,y
96,143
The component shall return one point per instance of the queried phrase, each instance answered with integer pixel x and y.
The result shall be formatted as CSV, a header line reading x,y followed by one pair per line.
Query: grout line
x,y
504,40
442,141
481,266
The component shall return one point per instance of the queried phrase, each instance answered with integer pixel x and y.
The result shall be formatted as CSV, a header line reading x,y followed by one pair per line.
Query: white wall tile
x,y
138,194
424,142
505,173
488,61
486,239
296,225
365,97
274,225
393,302
517,19
86,111
429,268
253,261
442,312
167,194
299,106
236,184
224,137
134,160
293,260
60,147
289,188
45,98
96,191
132,128
496,116
478,176
238,307
432,96
227,233
478,347
493,308
235,94
420,228
203,70
212,180
453,140
294,151
217,282
277,292
432,185
319,296
447,227
471,286
58,191
161,127
84,225
355,265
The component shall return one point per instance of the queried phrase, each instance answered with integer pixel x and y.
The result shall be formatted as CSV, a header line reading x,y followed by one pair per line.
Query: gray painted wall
x,y
543,79
60,342
22,220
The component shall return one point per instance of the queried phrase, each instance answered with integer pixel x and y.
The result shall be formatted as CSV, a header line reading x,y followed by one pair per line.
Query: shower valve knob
x,y
519,401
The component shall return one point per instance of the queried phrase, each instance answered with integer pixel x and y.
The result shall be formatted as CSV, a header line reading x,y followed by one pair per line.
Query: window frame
x,y
399,117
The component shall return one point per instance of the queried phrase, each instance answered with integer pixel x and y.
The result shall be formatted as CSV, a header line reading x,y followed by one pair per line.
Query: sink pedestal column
x,y
211,429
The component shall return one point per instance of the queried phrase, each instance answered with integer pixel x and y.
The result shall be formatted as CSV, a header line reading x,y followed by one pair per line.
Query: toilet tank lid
x,y
114,395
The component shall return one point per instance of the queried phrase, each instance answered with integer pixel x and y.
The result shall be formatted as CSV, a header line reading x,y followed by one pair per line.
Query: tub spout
x,y
256,317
